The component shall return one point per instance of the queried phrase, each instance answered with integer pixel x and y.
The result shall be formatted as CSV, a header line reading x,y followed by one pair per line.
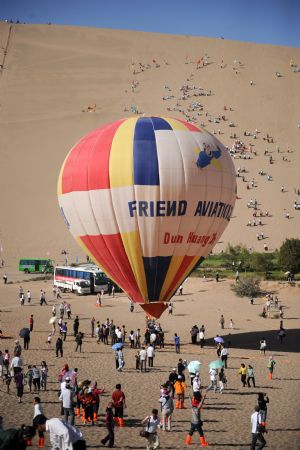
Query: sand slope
x,y
52,72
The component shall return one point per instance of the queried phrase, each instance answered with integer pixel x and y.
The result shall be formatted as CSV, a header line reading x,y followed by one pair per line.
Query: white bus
x,y
83,279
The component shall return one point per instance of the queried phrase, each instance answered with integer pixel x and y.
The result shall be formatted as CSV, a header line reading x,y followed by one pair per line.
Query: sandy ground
x,y
226,416
52,73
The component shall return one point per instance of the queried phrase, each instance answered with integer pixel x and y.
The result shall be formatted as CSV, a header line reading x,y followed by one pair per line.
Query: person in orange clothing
x,y
119,403
180,387
88,402
96,392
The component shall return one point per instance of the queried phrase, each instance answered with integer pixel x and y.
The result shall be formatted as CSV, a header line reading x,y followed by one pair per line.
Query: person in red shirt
x,y
31,323
119,403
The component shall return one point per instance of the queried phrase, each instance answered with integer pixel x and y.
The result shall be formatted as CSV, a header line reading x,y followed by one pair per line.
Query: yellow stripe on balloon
x,y
184,275
59,182
175,124
121,155
133,250
173,268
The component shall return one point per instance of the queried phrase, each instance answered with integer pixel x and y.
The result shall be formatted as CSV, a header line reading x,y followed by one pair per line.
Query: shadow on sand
x,y
291,342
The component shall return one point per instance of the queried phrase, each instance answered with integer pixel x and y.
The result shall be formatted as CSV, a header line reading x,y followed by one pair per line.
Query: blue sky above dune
x,y
262,21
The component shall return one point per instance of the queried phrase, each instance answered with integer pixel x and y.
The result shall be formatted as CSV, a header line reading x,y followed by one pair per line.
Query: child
x,y
196,422
38,409
7,381
180,387
49,338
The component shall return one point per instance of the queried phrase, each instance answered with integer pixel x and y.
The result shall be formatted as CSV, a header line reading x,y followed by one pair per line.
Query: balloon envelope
x,y
147,198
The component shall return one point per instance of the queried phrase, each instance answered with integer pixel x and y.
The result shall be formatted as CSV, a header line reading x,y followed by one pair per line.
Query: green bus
x,y
41,265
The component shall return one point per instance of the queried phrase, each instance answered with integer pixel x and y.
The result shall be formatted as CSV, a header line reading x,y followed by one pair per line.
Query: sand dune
x,y
52,73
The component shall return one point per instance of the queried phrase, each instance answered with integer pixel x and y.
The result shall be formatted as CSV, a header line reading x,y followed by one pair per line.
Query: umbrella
x,y
219,340
217,364
117,346
194,366
52,320
24,332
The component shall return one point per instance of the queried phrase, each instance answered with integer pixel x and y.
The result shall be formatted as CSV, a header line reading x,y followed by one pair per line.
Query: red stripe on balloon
x,y
189,126
178,278
87,166
109,252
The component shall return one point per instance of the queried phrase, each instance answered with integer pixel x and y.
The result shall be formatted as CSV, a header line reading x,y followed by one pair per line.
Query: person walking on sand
x,y
78,340
152,424
177,343
76,326
167,408
257,430
59,346
243,373
179,387
262,400
222,380
109,423
271,367
222,322
119,403
28,296
31,323
213,380
224,355
262,346
250,376
196,422
19,380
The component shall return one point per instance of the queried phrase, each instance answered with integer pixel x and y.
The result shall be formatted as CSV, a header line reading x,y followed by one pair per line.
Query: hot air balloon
x,y
147,198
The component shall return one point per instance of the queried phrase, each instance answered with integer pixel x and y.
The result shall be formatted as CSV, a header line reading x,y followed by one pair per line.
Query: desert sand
x,y
226,417
57,84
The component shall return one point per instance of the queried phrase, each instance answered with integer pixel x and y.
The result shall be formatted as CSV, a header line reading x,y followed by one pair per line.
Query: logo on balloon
x,y
208,156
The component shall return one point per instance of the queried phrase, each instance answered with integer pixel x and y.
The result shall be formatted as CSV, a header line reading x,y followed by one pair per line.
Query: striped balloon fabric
x,y
147,198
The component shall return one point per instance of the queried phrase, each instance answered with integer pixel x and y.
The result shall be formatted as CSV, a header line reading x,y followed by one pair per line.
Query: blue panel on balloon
x,y
160,124
156,269
145,162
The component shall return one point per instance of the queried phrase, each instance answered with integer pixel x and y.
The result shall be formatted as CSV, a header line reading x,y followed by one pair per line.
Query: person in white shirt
x,y
224,356
213,380
63,436
38,409
257,434
152,424
201,338
143,359
16,364
150,355
196,383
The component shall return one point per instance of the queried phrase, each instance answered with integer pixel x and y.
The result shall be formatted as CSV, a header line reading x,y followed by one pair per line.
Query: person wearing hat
x,y
67,399
173,377
196,422
17,439
63,436
180,387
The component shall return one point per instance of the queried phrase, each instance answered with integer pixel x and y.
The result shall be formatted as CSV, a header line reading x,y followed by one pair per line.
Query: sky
x,y
262,21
